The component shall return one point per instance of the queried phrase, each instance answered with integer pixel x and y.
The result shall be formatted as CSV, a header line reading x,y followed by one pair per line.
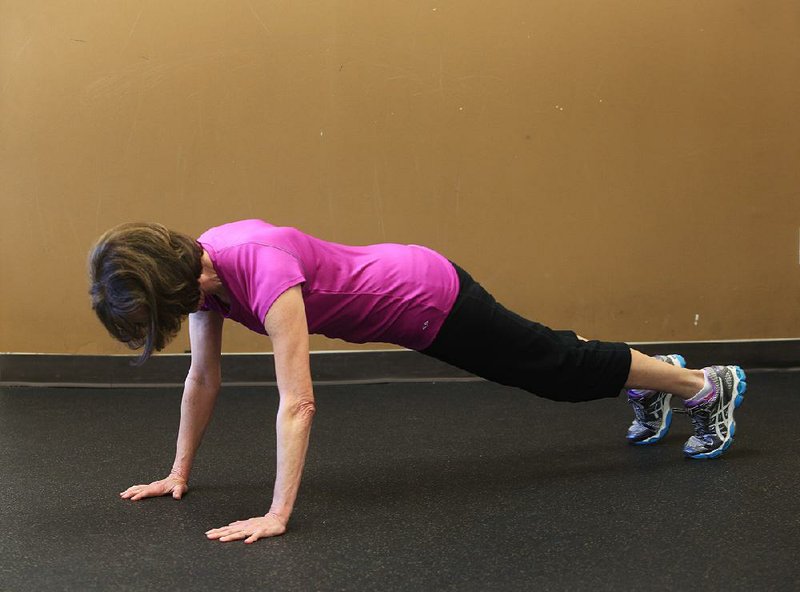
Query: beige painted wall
x,y
628,169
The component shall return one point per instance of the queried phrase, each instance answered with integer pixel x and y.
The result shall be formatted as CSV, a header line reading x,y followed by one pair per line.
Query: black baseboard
x,y
350,367
237,369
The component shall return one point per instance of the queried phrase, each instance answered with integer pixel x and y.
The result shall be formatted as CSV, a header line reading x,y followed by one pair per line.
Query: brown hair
x,y
144,282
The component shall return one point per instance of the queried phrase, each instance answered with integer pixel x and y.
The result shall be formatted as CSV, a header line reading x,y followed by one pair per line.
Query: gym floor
x,y
444,486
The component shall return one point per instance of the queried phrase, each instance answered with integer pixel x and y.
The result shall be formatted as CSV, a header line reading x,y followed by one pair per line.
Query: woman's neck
x,y
210,283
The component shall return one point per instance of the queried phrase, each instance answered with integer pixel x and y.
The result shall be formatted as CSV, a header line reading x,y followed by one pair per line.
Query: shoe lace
x,y
647,409
700,417
638,410
708,421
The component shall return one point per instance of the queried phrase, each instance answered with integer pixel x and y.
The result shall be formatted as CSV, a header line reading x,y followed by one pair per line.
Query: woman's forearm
x,y
293,427
197,407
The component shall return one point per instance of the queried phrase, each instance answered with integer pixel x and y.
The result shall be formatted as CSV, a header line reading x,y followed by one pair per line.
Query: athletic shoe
x,y
651,409
712,418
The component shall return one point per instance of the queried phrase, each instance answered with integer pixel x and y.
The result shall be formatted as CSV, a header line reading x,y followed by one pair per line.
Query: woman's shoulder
x,y
242,232
236,229
245,236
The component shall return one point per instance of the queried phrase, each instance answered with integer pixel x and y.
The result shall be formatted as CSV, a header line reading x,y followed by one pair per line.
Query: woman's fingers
x,y
216,533
138,492
251,530
229,533
131,491
226,531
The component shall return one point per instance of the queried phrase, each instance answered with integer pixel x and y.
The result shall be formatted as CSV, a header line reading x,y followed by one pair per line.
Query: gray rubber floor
x,y
450,486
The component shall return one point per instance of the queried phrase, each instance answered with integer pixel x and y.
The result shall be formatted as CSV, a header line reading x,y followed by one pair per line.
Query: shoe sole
x,y
667,422
739,387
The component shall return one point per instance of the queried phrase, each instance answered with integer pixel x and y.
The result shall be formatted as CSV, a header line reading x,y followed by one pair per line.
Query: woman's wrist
x,y
281,517
179,473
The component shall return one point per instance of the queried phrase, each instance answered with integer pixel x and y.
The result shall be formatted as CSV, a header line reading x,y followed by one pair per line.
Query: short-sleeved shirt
x,y
390,293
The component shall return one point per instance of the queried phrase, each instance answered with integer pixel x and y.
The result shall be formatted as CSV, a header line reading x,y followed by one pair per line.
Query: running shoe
x,y
712,418
651,409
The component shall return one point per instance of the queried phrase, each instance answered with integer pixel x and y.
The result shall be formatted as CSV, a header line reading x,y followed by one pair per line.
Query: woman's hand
x,y
173,484
251,530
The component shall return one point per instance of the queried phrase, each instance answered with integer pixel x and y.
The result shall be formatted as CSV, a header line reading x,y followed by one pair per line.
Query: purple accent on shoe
x,y
709,392
639,394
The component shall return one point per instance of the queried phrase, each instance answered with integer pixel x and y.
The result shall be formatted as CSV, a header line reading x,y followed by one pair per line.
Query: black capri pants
x,y
483,337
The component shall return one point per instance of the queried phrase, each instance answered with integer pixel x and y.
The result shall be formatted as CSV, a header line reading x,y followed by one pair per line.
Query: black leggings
x,y
483,337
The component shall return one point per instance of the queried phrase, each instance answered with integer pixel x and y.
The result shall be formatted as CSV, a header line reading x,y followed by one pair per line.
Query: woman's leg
x,y
653,374
648,373
483,337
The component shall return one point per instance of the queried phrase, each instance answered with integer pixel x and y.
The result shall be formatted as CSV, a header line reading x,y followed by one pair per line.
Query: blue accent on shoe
x,y
741,388
713,453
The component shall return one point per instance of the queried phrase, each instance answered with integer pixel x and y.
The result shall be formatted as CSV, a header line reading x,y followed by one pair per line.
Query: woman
x,y
280,282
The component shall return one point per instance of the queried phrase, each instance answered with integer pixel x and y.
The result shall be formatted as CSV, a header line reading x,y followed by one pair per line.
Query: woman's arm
x,y
199,395
287,326
200,389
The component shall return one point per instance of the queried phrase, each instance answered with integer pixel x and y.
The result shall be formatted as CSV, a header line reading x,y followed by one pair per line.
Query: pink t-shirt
x,y
393,293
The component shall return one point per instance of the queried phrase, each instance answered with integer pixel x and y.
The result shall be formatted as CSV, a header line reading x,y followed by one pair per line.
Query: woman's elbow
x,y
211,379
303,409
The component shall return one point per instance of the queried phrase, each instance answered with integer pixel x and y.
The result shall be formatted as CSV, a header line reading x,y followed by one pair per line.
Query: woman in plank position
x,y
278,281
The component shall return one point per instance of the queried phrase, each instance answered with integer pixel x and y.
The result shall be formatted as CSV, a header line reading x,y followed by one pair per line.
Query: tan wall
x,y
617,167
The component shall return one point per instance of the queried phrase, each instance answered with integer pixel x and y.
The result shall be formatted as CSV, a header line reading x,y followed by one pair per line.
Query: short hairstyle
x,y
144,282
